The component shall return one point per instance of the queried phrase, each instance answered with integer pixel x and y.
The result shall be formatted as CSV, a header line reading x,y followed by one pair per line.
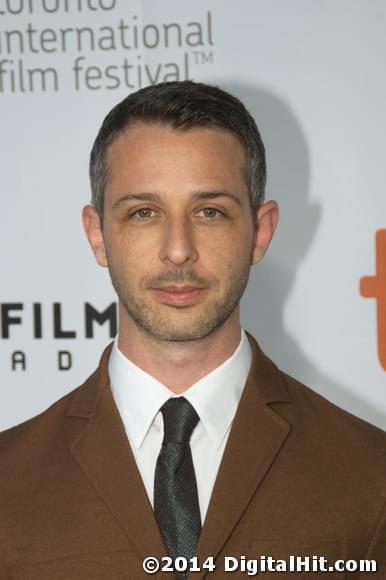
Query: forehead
x,y
157,156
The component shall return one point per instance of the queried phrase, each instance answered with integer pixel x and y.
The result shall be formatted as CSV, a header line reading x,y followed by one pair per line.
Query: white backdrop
x,y
312,74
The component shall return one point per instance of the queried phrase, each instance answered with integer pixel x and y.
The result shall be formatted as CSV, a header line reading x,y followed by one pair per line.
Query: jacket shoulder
x,y
48,421
328,421
79,402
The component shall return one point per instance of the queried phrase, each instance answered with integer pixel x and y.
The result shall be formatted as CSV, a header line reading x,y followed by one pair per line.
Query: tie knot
x,y
180,419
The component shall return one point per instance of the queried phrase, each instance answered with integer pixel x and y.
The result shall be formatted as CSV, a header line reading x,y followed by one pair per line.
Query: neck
x,y
178,365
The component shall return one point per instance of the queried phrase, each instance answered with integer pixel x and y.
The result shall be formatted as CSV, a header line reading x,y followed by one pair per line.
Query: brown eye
x,y
211,213
144,213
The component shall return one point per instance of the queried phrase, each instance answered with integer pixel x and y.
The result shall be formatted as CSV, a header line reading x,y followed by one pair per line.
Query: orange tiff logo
x,y
375,287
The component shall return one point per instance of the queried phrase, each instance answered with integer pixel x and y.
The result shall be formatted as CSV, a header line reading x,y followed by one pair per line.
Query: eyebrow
x,y
156,197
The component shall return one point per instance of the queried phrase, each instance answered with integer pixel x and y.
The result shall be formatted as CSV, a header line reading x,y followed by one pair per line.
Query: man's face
x,y
178,234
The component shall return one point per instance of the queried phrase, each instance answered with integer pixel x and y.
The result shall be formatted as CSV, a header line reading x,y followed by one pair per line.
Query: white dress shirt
x,y
215,398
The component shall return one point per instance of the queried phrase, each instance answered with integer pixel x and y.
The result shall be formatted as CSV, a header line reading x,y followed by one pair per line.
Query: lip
x,y
179,289
179,295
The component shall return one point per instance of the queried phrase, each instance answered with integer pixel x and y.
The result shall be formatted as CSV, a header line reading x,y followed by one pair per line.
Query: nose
x,y
178,244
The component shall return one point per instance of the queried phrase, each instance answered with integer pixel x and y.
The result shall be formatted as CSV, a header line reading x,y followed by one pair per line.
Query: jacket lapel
x,y
257,436
101,448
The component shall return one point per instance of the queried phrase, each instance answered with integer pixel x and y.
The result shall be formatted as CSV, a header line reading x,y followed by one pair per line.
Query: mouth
x,y
179,295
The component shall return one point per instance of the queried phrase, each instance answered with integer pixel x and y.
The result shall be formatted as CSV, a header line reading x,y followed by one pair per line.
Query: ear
x,y
93,229
267,217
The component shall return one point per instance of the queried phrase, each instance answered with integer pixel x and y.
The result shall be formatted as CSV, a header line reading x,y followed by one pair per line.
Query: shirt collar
x,y
215,397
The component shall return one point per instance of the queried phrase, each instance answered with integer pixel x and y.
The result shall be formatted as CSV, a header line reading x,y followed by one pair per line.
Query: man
x,y
186,440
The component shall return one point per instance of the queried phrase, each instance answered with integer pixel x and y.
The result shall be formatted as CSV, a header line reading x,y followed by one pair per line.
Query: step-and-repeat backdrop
x,y
313,75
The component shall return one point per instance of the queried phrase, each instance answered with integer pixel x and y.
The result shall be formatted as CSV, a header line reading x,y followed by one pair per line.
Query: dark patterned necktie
x,y
175,490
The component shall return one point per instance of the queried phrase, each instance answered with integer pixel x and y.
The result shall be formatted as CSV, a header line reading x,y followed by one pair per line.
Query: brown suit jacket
x,y
299,476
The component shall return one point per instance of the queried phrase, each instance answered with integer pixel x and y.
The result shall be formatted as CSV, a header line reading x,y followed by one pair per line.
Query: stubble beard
x,y
190,323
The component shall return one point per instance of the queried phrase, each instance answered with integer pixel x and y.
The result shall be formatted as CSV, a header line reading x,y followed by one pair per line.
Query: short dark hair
x,y
181,105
